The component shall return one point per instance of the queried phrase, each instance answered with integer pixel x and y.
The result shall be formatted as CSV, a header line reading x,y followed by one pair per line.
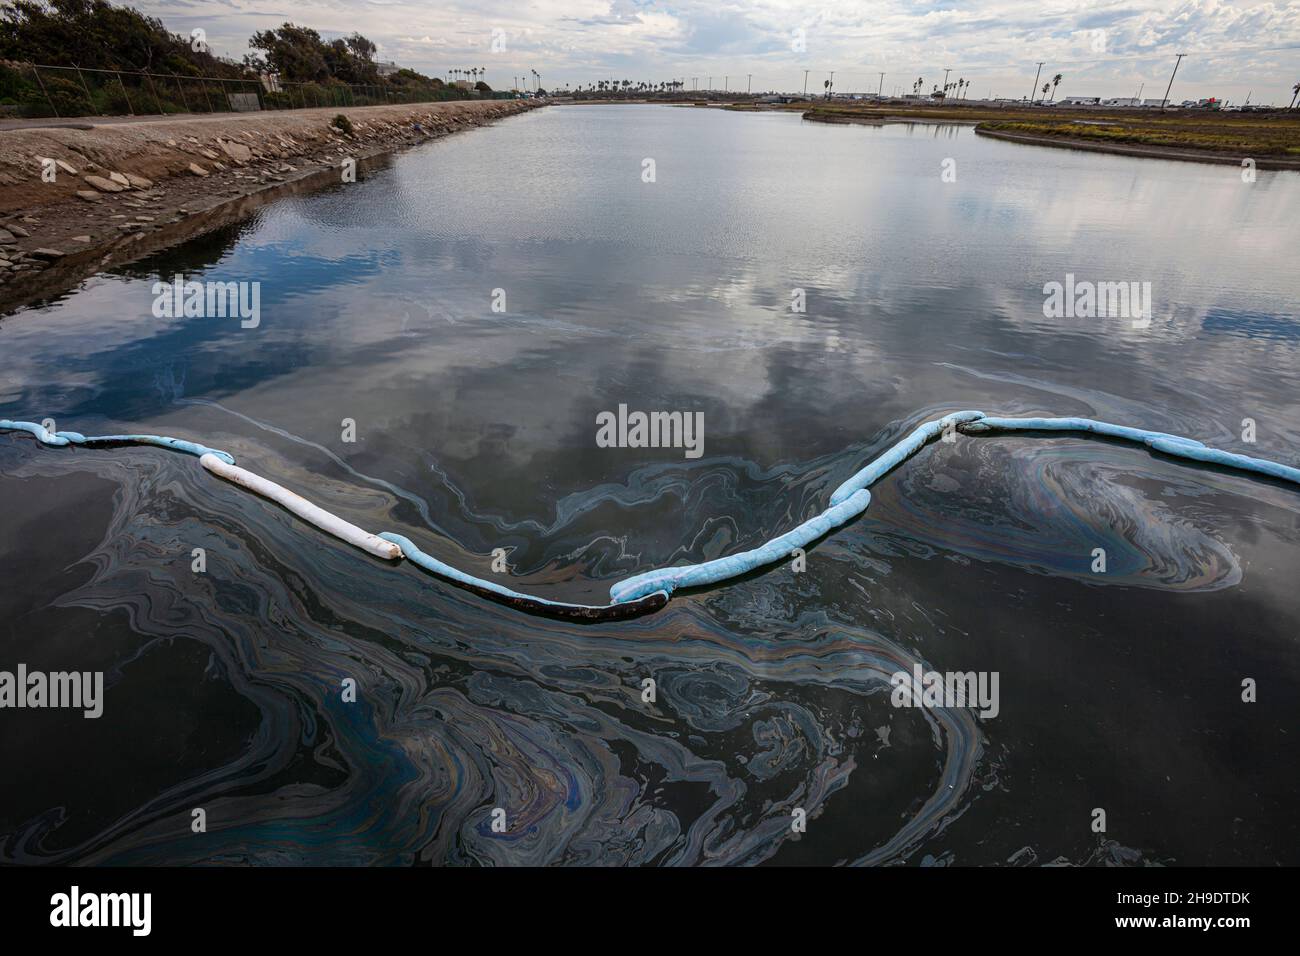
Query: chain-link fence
x,y
34,90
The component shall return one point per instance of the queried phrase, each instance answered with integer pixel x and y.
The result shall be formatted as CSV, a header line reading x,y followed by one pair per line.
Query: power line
x,y
1151,55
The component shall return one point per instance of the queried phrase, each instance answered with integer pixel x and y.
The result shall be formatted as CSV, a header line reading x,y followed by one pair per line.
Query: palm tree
x,y
1295,91
1046,87
1056,81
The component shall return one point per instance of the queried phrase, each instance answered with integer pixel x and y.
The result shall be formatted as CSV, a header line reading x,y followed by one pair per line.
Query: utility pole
x,y
946,71
830,85
726,82
749,82
1171,80
805,82
882,86
1035,89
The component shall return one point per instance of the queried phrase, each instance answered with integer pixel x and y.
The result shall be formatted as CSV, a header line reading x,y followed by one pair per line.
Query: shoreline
x,y
1264,138
1138,150
55,234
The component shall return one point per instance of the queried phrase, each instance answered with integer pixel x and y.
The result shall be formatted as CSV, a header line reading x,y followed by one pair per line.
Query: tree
x,y
1295,91
94,33
296,53
352,60
1046,87
1056,81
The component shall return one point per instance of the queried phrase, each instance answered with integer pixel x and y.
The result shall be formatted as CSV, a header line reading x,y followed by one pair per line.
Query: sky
x,y
1120,48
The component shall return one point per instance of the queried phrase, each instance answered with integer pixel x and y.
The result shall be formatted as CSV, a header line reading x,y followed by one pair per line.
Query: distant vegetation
x,y
1224,133
95,35
1272,133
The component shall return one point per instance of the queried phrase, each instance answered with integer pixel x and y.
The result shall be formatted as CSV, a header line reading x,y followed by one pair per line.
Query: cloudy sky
x,y
1102,48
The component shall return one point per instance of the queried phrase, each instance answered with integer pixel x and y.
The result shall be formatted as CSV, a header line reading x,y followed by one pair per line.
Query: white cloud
x,y
994,42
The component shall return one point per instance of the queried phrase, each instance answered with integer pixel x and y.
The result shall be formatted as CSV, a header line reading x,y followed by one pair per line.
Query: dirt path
x,y
73,200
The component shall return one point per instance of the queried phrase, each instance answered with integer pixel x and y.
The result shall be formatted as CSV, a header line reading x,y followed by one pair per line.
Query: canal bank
x,y
77,199
1139,150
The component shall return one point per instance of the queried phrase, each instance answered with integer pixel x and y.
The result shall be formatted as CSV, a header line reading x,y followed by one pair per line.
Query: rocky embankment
x,y
77,199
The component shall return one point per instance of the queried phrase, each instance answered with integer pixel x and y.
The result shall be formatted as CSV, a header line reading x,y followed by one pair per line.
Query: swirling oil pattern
x,y
225,689
1048,509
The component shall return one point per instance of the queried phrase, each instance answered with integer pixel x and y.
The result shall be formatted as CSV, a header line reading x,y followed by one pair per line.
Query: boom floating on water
x,y
648,592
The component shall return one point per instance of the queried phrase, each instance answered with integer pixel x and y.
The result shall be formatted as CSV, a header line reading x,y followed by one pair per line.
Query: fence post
x,y
89,99
181,90
53,108
208,99
149,79
126,96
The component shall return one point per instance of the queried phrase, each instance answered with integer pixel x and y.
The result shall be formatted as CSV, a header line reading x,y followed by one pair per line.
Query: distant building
x,y
1079,101
1122,101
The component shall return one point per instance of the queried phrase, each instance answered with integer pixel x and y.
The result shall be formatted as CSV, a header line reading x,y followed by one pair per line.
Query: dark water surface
x,y
476,430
